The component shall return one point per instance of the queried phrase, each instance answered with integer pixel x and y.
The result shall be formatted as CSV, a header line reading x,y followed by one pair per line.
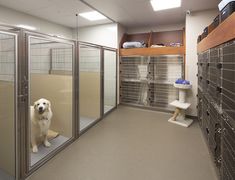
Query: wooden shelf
x,y
152,51
167,37
223,33
145,37
153,38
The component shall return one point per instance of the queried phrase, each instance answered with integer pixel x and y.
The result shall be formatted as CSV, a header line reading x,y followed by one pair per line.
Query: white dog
x,y
41,115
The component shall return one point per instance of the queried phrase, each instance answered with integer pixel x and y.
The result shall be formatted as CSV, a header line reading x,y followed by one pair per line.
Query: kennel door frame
x,y
102,114
98,47
27,169
8,31
103,82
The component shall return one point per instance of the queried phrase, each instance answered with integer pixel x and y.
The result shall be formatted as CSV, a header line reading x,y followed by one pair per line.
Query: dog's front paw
x,y
35,149
47,144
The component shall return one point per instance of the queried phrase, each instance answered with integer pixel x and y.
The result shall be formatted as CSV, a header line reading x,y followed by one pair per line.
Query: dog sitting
x,y
41,115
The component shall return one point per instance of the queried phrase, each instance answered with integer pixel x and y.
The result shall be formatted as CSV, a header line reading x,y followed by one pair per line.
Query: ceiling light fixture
x,y
93,16
159,5
26,27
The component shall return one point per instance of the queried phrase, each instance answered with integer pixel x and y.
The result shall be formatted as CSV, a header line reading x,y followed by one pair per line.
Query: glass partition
x,y
50,96
8,53
89,85
110,65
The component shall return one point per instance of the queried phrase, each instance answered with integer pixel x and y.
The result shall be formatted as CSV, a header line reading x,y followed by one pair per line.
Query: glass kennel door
x,y
51,96
110,66
89,85
8,61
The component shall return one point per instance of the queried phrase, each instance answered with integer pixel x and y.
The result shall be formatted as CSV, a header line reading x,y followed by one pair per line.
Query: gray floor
x,y
5,176
44,151
133,144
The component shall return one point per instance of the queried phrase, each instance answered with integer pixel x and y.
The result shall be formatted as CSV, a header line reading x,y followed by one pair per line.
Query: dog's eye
x,y
44,103
38,104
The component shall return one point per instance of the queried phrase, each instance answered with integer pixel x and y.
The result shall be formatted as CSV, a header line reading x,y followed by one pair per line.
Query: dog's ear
x,y
49,104
35,105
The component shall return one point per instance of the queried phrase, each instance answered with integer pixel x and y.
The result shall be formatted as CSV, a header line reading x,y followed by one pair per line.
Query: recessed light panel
x,y
93,16
26,27
159,5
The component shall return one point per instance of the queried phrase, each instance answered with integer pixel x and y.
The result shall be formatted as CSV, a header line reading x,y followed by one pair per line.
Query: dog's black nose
x,y
40,108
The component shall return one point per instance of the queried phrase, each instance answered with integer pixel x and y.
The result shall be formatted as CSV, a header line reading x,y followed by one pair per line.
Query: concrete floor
x,y
133,144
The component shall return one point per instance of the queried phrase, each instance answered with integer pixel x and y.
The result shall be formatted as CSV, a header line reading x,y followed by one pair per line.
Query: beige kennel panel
x,y
8,61
110,80
89,84
51,75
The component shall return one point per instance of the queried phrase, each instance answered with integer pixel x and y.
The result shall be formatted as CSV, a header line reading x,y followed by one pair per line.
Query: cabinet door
x,y
228,79
228,150
165,70
134,77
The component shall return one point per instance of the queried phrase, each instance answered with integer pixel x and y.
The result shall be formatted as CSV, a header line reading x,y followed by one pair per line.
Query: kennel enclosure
x,y
35,65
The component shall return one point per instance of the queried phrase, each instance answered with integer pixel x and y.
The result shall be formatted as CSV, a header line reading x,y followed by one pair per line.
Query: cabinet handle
x,y
219,130
219,89
228,123
219,66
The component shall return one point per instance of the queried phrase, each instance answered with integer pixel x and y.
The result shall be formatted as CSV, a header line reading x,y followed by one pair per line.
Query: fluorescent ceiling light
x,y
159,5
93,16
26,27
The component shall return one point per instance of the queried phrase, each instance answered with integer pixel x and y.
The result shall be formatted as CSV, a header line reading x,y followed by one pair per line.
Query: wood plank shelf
x,y
153,38
152,51
223,33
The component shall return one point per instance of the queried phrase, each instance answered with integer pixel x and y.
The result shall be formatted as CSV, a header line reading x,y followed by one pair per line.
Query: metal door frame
x,y
27,35
15,34
116,83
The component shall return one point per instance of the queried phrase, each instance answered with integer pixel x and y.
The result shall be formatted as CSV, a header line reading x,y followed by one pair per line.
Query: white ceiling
x,y
129,13
137,13
59,11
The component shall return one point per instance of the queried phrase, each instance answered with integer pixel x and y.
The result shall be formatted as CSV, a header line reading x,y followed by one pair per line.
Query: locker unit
x,y
147,81
216,102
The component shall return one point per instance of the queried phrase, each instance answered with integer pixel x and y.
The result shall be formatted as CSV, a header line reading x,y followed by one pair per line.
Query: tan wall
x,y
7,158
90,94
58,90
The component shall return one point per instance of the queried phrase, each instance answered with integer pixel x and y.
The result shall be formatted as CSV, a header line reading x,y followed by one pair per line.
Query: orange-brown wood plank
x,y
153,51
223,33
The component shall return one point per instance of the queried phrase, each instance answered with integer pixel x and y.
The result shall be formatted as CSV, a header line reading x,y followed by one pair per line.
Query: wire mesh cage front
x,y
7,58
228,80
148,81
